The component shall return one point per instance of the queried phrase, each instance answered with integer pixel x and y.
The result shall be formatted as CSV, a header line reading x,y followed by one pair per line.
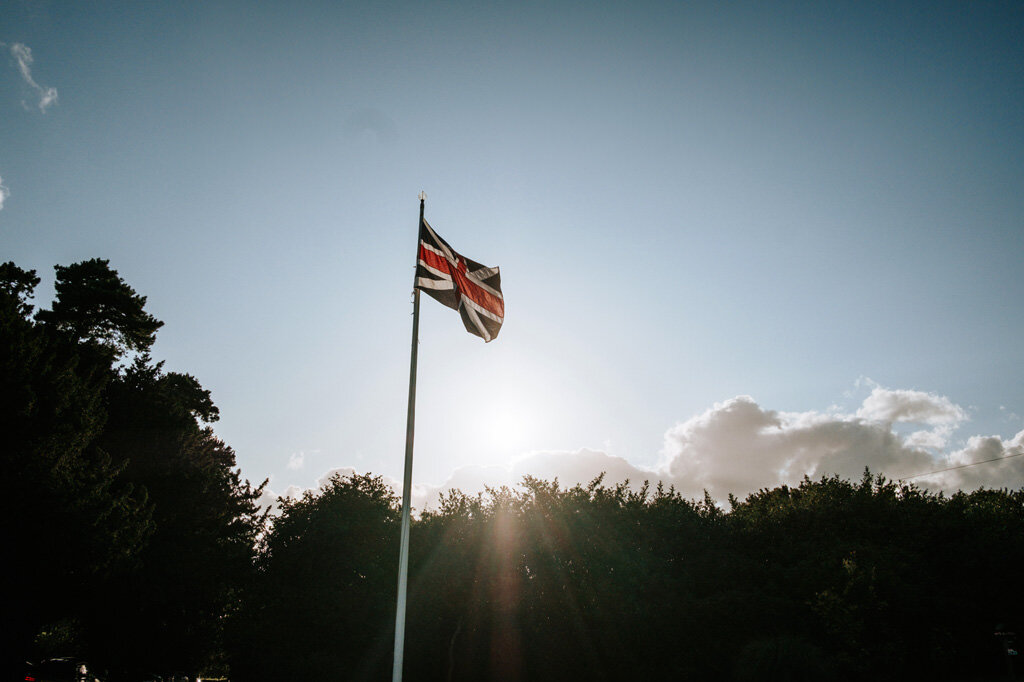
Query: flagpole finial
x,y
423,196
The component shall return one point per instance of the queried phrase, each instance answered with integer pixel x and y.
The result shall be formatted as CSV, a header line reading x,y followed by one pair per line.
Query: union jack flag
x,y
461,284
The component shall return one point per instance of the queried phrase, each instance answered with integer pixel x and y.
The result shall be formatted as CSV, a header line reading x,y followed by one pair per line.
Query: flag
x,y
461,284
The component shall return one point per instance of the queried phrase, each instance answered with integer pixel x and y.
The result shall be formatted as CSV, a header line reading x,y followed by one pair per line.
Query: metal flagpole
x,y
403,555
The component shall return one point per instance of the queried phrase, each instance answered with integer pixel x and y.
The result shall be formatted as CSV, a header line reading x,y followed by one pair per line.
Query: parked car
x,y
60,670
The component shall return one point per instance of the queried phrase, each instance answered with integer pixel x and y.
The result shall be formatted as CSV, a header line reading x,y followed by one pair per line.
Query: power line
x,y
962,466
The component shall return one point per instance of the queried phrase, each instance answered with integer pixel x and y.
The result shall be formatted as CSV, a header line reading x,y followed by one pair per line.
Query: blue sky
x,y
817,206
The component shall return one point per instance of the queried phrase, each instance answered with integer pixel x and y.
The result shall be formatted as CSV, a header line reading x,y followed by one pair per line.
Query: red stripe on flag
x,y
475,292
433,260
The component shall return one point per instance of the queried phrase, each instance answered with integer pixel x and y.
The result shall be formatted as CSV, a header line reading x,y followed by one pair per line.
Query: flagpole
x,y
410,424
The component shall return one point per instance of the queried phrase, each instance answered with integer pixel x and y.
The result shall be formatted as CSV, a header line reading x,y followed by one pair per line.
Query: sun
x,y
507,427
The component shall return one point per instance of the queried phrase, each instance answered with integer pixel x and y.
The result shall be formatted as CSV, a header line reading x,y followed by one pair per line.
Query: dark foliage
x,y
831,579
96,306
167,608
66,517
127,527
322,604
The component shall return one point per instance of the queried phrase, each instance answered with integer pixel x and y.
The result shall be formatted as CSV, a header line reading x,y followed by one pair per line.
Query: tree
x,y
133,529
167,612
65,518
17,287
322,603
94,304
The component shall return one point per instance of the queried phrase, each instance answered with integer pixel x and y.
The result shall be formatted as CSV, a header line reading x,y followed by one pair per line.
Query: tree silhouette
x,y
322,603
65,519
133,531
94,304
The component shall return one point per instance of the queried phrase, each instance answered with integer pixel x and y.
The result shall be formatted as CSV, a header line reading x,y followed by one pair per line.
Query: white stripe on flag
x,y
469,303
475,319
435,271
446,252
436,284
475,278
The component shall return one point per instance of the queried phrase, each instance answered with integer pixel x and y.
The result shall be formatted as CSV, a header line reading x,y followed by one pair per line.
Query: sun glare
x,y
507,427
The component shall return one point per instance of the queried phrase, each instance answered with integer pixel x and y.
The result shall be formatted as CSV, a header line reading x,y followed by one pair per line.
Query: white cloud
x,y
739,447
579,466
23,56
1006,472
915,407
296,460
268,500
341,471
936,439
293,492
4,193
1008,416
911,406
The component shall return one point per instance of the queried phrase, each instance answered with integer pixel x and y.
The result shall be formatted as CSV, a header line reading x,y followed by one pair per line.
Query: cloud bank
x,y
4,193
738,447
1006,470
23,58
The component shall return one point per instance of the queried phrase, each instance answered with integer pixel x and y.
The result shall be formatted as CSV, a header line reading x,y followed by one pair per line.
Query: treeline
x,y
134,542
832,579
127,533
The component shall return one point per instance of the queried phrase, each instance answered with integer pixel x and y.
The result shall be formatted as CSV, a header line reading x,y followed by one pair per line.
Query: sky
x,y
740,243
